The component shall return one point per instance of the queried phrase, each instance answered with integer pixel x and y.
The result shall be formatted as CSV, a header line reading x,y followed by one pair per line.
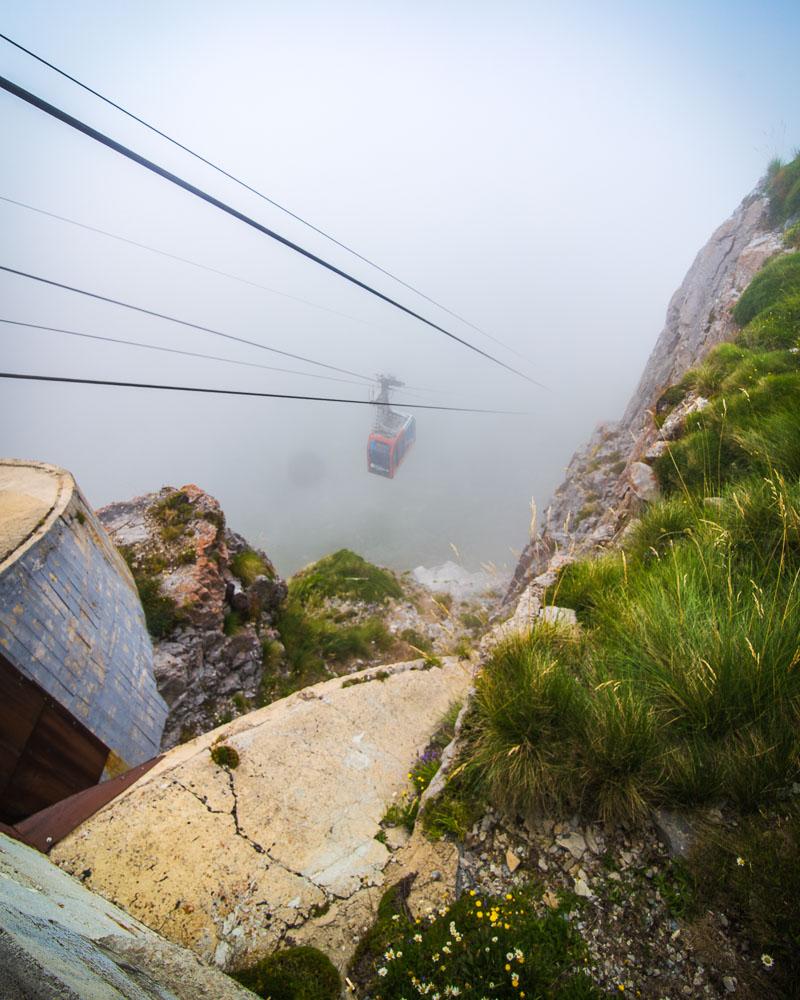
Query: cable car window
x,y
379,454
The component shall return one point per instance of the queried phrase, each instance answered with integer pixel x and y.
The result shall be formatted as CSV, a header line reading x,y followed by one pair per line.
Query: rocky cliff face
x,y
609,478
210,600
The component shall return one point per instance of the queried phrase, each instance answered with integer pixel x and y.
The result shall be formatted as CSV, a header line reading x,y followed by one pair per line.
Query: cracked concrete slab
x,y
229,862
59,941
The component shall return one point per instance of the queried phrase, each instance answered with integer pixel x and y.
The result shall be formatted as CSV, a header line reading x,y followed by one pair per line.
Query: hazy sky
x,y
546,170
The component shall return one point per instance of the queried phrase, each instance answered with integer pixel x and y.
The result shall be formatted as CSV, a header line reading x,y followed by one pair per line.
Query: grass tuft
x,y
344,575
248,565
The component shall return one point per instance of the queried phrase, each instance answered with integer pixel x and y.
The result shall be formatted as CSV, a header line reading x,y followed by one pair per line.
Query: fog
x,y
547,171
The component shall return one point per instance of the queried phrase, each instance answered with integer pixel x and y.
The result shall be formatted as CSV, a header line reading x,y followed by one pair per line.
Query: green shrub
x,y
345,575
778,278
443,600
240,702
467,948
248,565
462,648
300,973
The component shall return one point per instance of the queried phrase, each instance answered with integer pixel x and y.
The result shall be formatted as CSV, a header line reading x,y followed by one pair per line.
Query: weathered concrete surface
x,y
229,863
28,493
70,615
59,941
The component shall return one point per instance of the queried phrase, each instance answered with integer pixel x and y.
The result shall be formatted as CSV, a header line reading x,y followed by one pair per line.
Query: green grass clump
x,y
300,973
345,575
751,432
792,236
683,688
467,948
313,644
752,874
775,328
783,188
659,526
174,513
248,565
421,643
161,613
160,610
530,701
232,623
404,813
475,621
580,584
312,638
378,936
778,278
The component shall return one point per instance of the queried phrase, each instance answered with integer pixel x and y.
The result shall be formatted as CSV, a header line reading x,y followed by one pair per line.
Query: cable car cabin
x,y
389,442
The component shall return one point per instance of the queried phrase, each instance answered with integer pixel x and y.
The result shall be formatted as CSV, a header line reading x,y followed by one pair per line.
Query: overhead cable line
x,y
92,133
245,392
174,350
173,256
255,191
181,322
205,267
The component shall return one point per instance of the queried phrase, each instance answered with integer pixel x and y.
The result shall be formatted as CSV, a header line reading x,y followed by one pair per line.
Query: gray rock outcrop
x,y
608,480
211,601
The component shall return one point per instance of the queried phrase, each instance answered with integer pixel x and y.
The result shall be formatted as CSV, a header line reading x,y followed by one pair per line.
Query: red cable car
x,y
392,436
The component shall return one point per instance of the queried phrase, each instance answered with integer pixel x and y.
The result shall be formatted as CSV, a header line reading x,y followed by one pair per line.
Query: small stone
x,y
558,616
574,843
582,889
512,861
436,876
643,481
729,982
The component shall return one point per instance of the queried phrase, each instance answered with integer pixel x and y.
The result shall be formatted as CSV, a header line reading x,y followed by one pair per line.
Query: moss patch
x,y
302,973
224,756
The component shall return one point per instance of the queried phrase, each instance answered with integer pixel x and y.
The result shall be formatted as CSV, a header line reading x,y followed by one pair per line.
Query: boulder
x,y
643,482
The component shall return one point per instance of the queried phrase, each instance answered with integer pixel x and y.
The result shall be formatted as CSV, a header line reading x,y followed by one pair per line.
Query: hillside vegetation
x,y
681,687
